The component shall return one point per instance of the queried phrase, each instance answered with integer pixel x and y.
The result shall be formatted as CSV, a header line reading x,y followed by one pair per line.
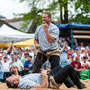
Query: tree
x,y
82,8
62,7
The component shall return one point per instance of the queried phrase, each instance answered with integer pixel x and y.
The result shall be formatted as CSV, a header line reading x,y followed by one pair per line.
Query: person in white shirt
x,y
17,63
85,61
5,64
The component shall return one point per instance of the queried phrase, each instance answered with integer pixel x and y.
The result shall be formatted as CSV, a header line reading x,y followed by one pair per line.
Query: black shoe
x,y
81,86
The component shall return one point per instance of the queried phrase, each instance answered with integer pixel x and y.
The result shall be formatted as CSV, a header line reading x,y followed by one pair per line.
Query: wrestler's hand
x,y
44,73
45,26
37,46
14,69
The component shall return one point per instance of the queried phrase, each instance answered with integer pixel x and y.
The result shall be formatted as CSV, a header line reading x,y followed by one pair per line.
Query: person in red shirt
x,y
77,65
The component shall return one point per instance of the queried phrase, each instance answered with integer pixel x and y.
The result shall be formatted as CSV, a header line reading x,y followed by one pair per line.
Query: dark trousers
x,y
61,74
41,59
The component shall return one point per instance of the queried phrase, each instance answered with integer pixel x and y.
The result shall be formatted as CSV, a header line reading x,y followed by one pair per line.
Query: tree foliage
x,y
82,10
63,8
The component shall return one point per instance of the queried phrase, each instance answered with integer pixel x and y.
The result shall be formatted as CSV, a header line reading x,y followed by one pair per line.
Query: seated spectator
x,y
25,57
41,80
69,58
82,45
84,74
72,57
76,46
82,54
85,61
77,65
76,52
28,65
31,53
17,63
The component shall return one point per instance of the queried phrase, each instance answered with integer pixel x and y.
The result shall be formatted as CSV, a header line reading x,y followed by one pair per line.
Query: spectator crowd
x,y
23,59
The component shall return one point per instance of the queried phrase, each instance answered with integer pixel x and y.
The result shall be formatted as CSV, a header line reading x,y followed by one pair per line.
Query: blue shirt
x,y
27,63
41,37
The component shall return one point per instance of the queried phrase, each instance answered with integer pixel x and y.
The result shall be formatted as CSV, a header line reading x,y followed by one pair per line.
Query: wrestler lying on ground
x,y
44,80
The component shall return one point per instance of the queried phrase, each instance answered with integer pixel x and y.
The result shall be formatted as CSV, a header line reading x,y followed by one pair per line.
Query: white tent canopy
x,y
8,35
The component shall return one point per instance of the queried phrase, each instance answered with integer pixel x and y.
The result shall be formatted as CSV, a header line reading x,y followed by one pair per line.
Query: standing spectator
x,y
5,64
10,49
63,57
46,41
11,56
77,65
20,53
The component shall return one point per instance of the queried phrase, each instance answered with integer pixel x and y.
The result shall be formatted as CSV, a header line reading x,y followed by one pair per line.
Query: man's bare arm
x,y
36,44
49,37
44,80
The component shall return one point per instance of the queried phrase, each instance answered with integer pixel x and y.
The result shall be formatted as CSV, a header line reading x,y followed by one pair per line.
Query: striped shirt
x,y
29,80
40,35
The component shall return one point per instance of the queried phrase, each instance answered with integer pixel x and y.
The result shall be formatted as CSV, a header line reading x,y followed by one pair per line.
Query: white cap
x,y
69,48
82,49
5,51
0,54
27,48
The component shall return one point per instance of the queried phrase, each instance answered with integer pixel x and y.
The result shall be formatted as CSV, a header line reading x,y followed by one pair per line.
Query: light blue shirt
x,y
28,81
63,58
41,37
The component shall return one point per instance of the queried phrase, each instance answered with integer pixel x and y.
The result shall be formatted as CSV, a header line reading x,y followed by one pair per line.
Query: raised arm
x,y
44,80
15,70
